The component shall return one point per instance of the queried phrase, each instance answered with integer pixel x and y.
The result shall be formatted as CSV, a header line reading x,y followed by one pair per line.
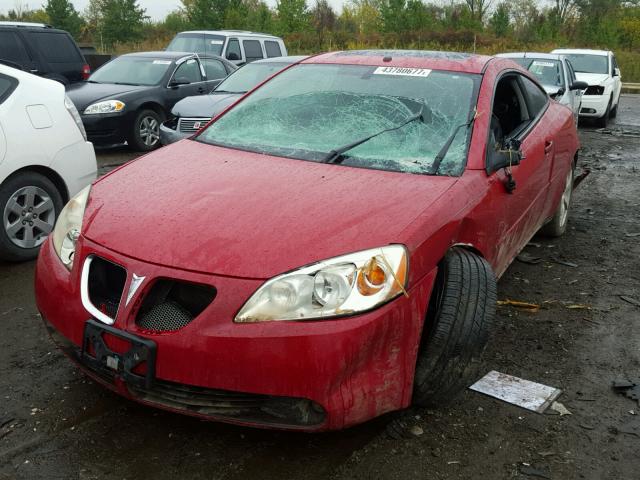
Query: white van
x,y
237,46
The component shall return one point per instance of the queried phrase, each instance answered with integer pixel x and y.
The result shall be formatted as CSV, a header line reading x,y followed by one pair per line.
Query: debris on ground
x,y
578,306
524,257
630,300
560,408
562,262
517,391
526,469
633,234
519,304
630,388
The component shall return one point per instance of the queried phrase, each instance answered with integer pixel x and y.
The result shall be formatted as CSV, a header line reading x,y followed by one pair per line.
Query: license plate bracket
x,y
114,364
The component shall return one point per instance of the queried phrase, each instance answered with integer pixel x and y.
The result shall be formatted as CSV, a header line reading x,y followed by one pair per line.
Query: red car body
x,y
233,219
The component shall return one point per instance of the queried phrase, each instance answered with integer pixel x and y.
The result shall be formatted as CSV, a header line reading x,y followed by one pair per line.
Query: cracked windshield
x,y
309,111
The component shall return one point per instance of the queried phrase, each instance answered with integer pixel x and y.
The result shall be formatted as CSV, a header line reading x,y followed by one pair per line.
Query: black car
x,y
42,50
192,113
129,97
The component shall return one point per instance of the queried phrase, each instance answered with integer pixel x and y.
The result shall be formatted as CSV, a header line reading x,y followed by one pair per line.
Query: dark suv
x,y
42,50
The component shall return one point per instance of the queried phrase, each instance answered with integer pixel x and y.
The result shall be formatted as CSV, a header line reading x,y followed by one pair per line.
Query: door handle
x,y
201,90
548,146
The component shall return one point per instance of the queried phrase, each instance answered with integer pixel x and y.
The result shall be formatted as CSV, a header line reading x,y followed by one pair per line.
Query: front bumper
x,y
169,135
343,371
107,129
594,106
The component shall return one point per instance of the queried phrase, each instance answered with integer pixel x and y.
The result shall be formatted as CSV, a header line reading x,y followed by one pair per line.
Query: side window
x,y
536,97
12,49
189,70
7,86
272,48
57,47
252,50
509,109
233,50
614,64
572,74
214,69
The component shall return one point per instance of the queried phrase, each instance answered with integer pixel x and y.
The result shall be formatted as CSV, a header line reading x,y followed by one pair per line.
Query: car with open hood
x,y
192,113
555,73
325,251
129,97
599,69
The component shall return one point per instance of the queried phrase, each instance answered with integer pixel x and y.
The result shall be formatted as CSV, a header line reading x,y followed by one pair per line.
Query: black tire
x,y
558,223
604,119
136,140
456,330
614,111
9,251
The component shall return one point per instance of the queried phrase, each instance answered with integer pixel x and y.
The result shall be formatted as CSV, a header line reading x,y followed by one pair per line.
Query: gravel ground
x,y
57,424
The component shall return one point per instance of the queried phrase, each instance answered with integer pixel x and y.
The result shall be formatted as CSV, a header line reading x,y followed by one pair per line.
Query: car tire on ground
x,y
602,121
558,224
145,135
614,111
29,206
456,330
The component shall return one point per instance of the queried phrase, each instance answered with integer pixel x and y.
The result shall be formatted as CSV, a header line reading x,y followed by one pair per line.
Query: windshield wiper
x,y
91,81
226,91
127,83
335,156
445,148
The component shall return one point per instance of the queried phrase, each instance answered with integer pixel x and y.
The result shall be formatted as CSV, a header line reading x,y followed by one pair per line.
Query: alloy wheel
x,y
565,201
29,216
149,131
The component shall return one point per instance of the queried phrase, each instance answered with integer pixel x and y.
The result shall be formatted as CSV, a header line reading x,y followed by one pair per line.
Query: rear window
x,y
252,50
7,85
56,47
12,49
272,48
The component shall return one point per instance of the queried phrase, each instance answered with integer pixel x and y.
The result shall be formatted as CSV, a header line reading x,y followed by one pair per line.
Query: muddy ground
x,y
57,424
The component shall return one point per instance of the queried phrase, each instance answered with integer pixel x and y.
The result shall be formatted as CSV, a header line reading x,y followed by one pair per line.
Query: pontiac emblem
x,y
136,281
197,125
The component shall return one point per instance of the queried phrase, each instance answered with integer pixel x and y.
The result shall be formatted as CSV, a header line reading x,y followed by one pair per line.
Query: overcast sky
x,y
156,9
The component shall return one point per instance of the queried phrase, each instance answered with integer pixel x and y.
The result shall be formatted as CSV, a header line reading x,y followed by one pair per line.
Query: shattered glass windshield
x,y
310,110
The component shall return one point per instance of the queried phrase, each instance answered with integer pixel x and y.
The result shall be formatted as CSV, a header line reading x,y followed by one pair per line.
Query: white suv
x,y
600,70
45,160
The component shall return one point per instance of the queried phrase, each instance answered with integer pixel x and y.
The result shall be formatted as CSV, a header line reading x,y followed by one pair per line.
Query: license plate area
x,y
139,353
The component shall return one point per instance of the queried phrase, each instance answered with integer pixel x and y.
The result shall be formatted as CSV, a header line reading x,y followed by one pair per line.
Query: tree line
x,y
460,24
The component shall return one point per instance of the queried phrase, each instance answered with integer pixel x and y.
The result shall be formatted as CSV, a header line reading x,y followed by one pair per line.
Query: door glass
x,y
189,71
252,50
233,50
57,47
537,98
214,69
272,48
12,49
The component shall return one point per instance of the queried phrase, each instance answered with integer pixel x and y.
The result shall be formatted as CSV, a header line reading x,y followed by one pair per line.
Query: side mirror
x,y
176,82
616,72
579,85
233,56
508,155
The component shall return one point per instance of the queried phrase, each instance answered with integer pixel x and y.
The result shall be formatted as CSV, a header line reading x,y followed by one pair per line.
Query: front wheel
x,y
145,135
456,330
558,224
29,206
604,119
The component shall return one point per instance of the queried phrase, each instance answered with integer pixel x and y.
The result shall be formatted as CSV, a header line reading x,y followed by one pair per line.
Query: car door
x,y
252,50
188,80
7,86
14,50
215,72
617,79
575,95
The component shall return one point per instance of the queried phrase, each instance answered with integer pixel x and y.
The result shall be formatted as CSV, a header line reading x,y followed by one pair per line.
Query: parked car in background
x,y
600,70
129,97
192,113
325,251
45,160
93,58
42,50
237,46
556,75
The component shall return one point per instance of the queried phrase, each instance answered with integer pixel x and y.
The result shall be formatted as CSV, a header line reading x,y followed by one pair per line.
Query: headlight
x,y
108,106
69,226
73,111
343,285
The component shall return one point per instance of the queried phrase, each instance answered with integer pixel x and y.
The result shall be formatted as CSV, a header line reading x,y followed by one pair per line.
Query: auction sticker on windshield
x,y
411,72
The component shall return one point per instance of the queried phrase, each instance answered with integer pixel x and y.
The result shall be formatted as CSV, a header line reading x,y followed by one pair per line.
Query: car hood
x,y
84,94
215,210
592,78
204,106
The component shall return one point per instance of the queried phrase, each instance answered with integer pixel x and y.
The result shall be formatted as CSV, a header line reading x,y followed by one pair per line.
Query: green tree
x,y
121,21
209,14
393,14
63,15
293,16
324,20
499,21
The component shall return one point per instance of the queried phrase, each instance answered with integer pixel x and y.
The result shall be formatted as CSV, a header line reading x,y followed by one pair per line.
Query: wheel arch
x,y
50,174
151,105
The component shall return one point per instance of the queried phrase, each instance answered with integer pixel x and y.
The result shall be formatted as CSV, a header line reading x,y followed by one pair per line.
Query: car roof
x,y
161,54
584,51
454,61
30,26
547,56
287,59
230,33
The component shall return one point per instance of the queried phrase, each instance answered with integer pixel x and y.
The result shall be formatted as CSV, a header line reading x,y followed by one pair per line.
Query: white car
x,y
600,70
555,73
45,160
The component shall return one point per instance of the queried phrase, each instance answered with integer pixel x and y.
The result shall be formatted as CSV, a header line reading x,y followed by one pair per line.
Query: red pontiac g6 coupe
x,y
325,251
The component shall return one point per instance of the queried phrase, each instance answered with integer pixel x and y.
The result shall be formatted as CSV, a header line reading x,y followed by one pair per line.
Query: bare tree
x,y
479,8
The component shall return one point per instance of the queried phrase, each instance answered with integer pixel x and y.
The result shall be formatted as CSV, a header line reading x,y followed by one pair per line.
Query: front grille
x,y
594,90
192,125
104,284
171,305
250,407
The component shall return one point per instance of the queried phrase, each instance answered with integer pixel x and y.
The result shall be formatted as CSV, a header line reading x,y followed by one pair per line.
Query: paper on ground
x,y
530,395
